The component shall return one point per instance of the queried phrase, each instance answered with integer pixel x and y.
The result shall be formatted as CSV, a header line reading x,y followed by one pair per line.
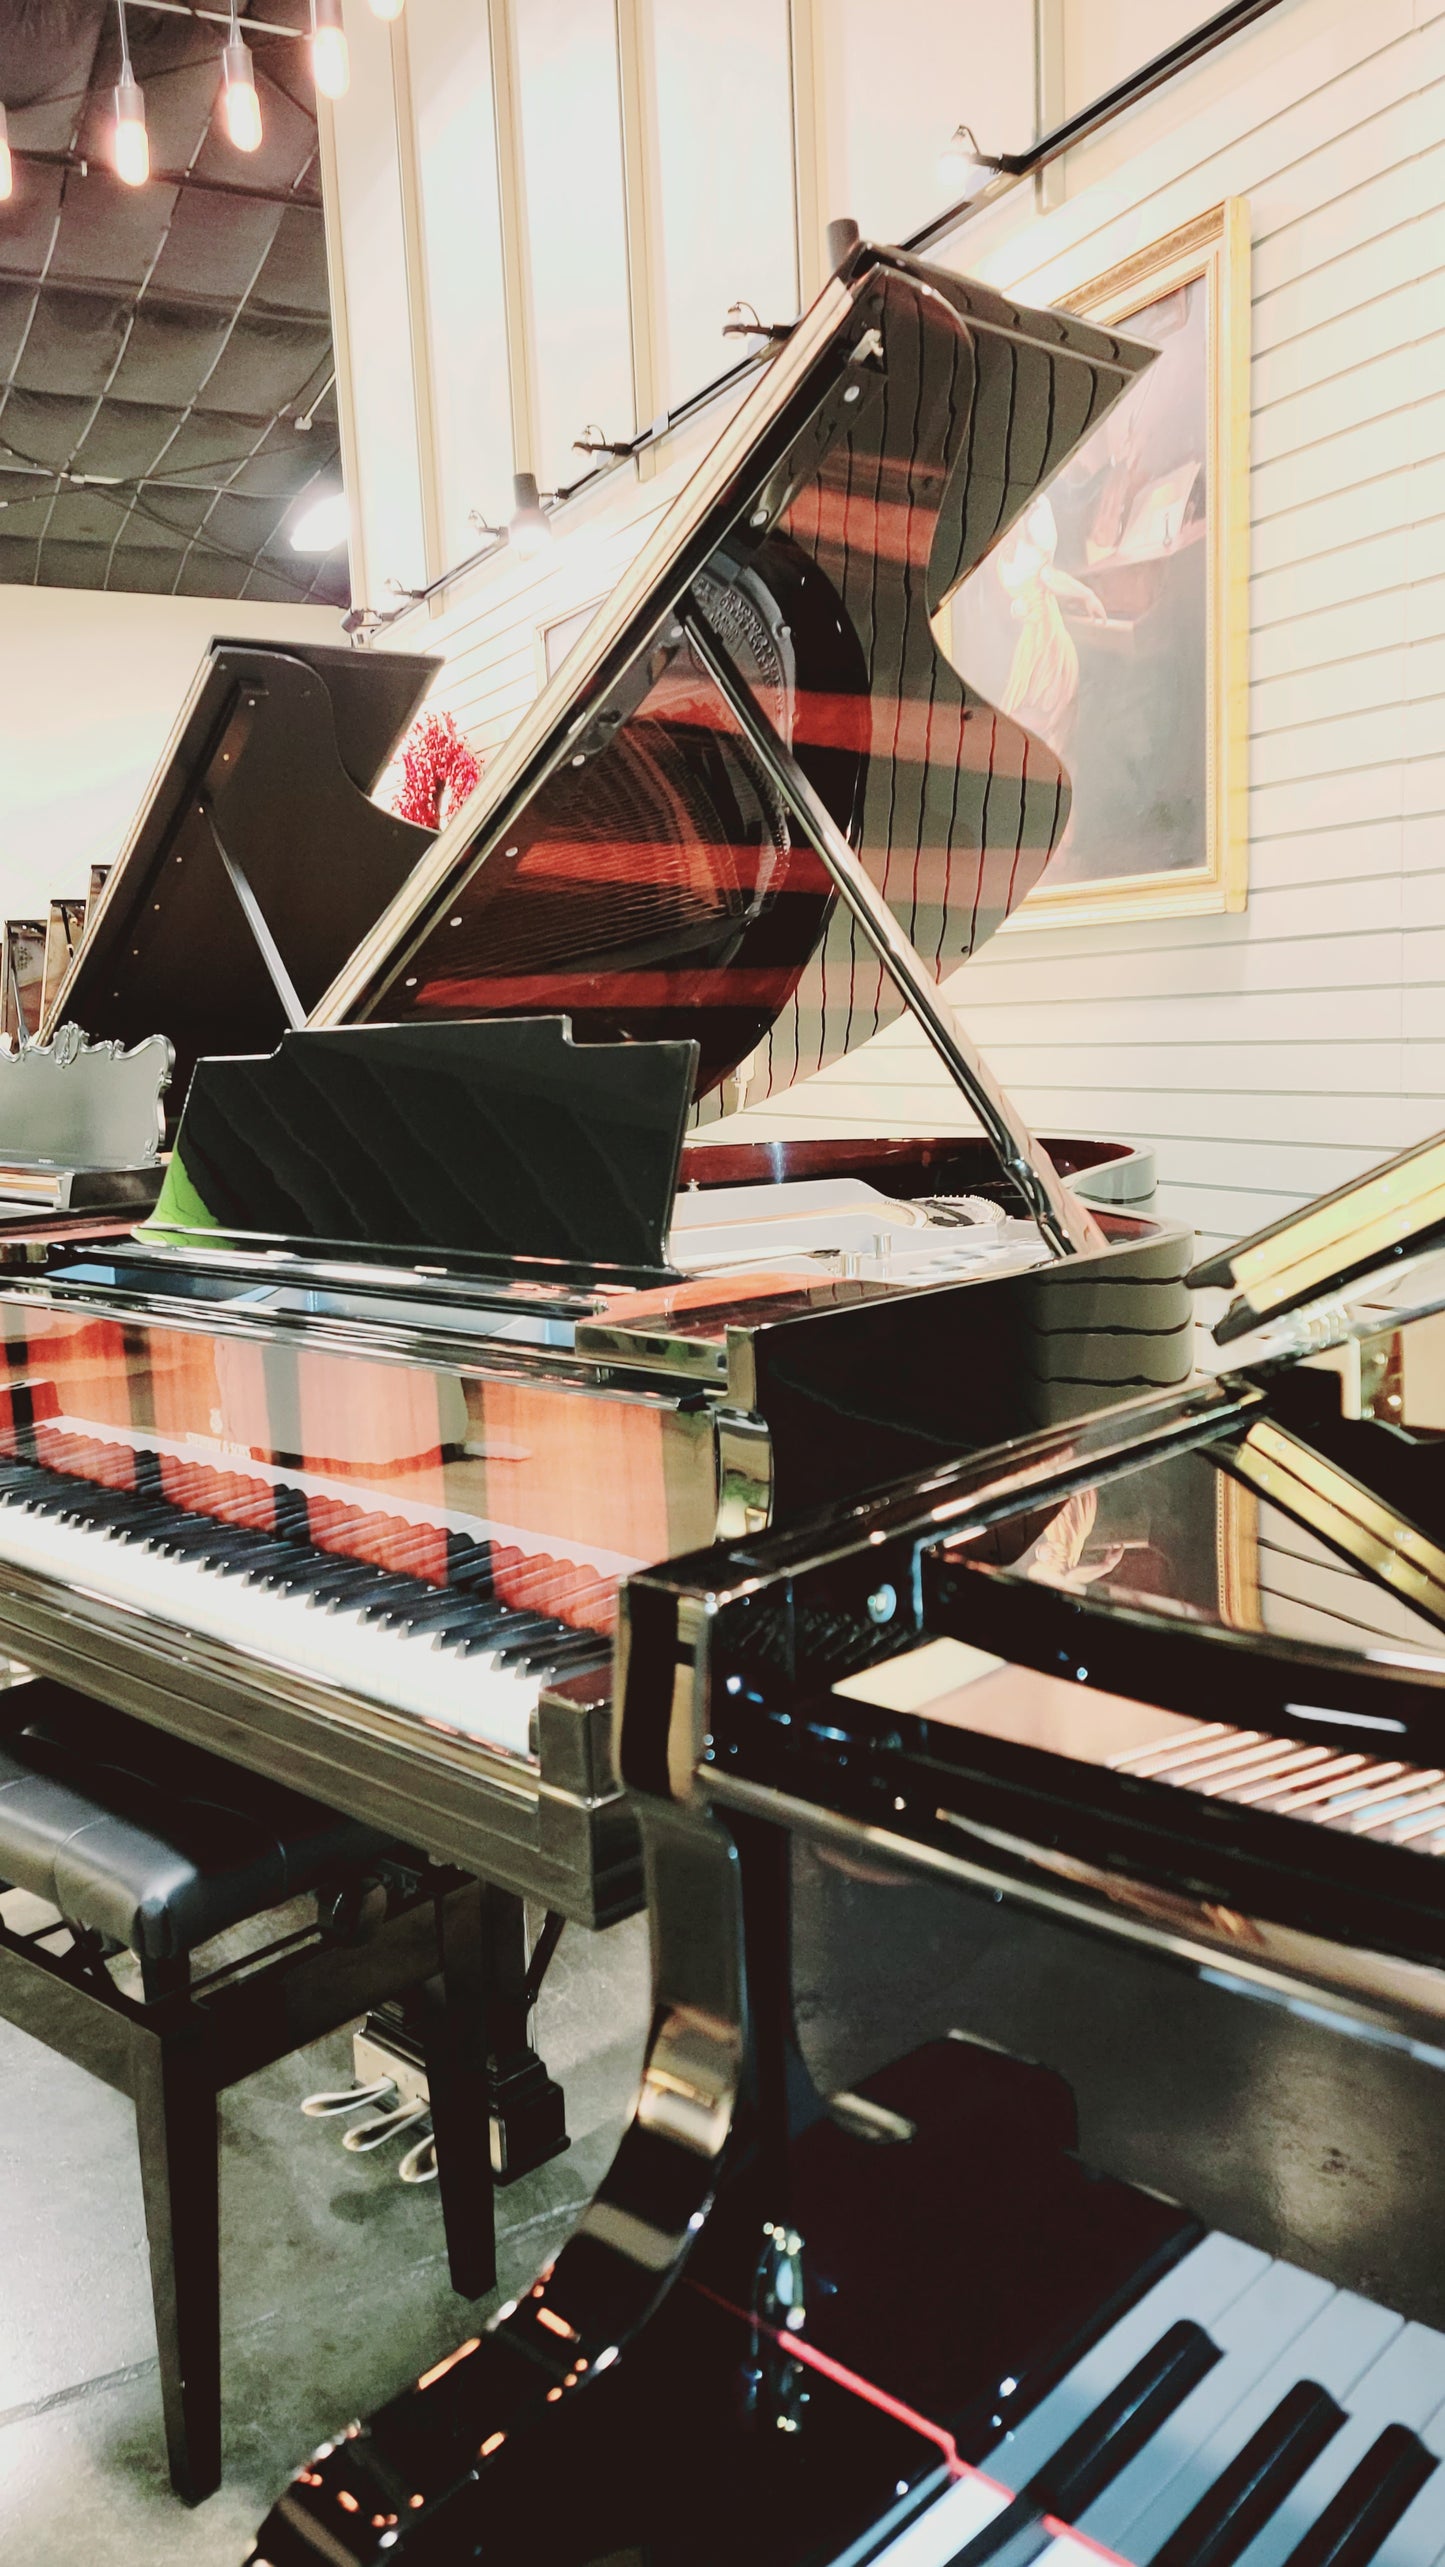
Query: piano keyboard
x,y
461,1632
1242,2414
1363,1795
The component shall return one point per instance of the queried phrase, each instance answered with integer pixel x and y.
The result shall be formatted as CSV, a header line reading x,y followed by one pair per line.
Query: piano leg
x,y
528,2108
176,2124
495,2111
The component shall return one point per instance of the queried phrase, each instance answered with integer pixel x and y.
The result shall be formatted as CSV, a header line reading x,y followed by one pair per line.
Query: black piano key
x,y
1093,2455
1244,2495
424,1607
1363,2512
383,1583
565,1656
504,1638
251,1564
339,1580
467,1559
1123,2422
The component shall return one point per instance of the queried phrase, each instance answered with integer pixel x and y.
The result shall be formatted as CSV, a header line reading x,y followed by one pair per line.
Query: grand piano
x,y
256,861
337,1464
1158,1696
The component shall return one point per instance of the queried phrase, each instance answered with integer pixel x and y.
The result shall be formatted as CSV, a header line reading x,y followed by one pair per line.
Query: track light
x,y
528,532
240,104
323,528
131,147
7,166
330,56
962,167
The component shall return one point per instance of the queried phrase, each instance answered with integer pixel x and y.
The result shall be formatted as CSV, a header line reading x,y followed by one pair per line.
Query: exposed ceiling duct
x,y
161,347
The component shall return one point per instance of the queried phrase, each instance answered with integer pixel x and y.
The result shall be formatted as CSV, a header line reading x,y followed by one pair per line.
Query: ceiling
x,y
161,346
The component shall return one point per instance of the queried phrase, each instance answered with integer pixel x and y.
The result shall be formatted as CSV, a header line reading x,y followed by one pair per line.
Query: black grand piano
x,y
469,1301
1159,1697
540,1252
256,861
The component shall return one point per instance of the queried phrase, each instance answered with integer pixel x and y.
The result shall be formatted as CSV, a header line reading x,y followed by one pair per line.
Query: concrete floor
x,y
334,2278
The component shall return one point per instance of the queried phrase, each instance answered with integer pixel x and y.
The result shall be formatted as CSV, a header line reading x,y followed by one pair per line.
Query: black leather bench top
x,y
146,1838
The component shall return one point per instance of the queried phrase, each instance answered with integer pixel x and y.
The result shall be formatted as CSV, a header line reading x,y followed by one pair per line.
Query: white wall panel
x,y
723,107
373,251
899,75
451,83
571,133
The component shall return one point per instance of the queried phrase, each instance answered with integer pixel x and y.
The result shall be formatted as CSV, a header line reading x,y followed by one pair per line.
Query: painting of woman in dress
x,y
1090,624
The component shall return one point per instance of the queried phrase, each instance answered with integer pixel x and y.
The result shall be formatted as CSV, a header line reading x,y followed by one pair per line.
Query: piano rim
x,y
1015,1871
238,1701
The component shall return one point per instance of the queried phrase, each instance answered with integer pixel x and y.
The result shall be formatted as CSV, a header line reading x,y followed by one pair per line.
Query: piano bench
x,y
148,1844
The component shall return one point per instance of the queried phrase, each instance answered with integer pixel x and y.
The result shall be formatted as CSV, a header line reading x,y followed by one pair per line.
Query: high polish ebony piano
x,y
337,1465
1158,1694
256,861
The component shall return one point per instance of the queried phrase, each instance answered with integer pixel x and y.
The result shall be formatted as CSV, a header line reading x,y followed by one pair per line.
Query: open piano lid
x,y
271,759
644,854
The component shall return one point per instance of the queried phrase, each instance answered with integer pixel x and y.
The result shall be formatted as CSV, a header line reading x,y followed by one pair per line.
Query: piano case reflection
x,y
1158,1694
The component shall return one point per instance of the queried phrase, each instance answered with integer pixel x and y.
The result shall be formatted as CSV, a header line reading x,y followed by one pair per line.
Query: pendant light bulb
x,y
387,8
528,532
131,145
7,166
330,55
241,106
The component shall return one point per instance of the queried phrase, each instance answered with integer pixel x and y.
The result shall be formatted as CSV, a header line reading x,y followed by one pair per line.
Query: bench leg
x,y
176,2123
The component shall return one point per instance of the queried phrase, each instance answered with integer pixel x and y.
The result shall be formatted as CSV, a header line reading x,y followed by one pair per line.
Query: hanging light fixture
x,y
239,101
387,8
131,148
7,166
330,55
528,532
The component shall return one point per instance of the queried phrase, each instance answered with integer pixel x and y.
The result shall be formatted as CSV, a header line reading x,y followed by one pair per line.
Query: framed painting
x,y
1114,620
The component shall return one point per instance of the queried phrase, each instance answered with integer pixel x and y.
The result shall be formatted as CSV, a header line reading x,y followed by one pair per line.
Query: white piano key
x,y
1405,2385
1291,2327
935,2536
1201,2285
404,1672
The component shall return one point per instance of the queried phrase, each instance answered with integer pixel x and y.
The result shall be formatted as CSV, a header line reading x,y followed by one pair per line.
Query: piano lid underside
x,y
654,885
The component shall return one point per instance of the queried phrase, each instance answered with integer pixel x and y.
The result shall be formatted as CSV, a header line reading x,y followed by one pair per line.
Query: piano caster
x,y
529,2119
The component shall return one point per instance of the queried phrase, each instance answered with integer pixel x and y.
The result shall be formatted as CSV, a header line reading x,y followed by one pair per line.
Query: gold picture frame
x,y
1212,251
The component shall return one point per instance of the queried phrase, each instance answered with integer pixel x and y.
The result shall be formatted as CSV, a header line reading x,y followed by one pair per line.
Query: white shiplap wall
x,y
1275,1053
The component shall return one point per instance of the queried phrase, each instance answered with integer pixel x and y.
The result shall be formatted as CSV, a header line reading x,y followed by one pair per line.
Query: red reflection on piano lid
x,y
559,992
